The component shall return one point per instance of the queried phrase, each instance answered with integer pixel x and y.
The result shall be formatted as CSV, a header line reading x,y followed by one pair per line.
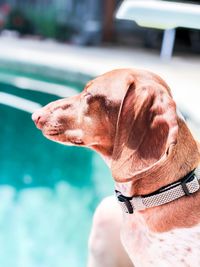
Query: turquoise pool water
x,y
48,192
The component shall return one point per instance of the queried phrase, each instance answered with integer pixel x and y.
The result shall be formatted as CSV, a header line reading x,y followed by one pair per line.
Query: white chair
x,y
161,15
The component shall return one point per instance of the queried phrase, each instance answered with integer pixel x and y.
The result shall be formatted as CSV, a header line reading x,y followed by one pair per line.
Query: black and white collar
x,y
186,186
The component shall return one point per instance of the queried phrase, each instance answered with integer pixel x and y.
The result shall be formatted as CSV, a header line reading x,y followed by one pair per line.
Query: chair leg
x,y
168,44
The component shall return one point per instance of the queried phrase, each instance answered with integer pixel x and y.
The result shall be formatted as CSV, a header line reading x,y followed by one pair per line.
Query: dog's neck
x,y
172,215
184,158
175,214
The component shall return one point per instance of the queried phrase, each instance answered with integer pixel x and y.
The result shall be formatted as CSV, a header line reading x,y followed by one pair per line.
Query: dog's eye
x,y
66,106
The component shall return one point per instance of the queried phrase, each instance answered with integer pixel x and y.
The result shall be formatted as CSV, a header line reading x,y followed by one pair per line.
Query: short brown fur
x,y
129,117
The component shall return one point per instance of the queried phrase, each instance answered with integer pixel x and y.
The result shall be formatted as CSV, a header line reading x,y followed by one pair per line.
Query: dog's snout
x,y
40,118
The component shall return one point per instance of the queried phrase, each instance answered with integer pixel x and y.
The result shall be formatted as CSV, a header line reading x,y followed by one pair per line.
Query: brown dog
x,y
130,118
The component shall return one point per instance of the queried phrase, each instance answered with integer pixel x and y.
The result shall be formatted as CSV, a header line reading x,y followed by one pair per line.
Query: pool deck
x,y
182,73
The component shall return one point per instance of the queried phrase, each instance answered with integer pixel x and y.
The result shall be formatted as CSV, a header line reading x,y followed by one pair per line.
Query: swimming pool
x,y
48,192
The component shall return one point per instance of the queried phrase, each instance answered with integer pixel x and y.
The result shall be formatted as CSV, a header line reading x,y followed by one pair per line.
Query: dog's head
x,y
126,115
87,119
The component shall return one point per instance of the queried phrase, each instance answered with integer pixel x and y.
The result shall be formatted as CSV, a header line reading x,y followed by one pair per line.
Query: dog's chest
x,y
180,247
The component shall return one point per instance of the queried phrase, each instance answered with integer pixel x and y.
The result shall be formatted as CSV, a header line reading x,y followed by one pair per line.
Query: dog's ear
x,y
146,130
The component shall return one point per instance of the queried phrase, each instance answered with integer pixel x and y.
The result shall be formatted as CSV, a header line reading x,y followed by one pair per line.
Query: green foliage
x,y
18,21
34,20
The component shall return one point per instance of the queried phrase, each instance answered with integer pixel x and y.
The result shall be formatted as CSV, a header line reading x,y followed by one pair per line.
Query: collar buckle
x,y
184,186
125,202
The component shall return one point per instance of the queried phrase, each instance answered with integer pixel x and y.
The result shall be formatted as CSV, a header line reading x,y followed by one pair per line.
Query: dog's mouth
x,y
60,136
54,134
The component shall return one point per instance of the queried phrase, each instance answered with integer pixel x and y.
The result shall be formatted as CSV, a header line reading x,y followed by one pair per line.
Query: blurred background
x,y
50,49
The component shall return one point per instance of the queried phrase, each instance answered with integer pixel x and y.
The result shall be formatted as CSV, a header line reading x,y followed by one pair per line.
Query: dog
x,y
129,117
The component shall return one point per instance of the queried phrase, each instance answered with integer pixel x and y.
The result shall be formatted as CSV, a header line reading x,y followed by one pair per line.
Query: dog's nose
x,y
39,118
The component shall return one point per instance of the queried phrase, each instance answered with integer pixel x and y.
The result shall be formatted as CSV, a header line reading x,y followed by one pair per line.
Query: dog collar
x,y
186,186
